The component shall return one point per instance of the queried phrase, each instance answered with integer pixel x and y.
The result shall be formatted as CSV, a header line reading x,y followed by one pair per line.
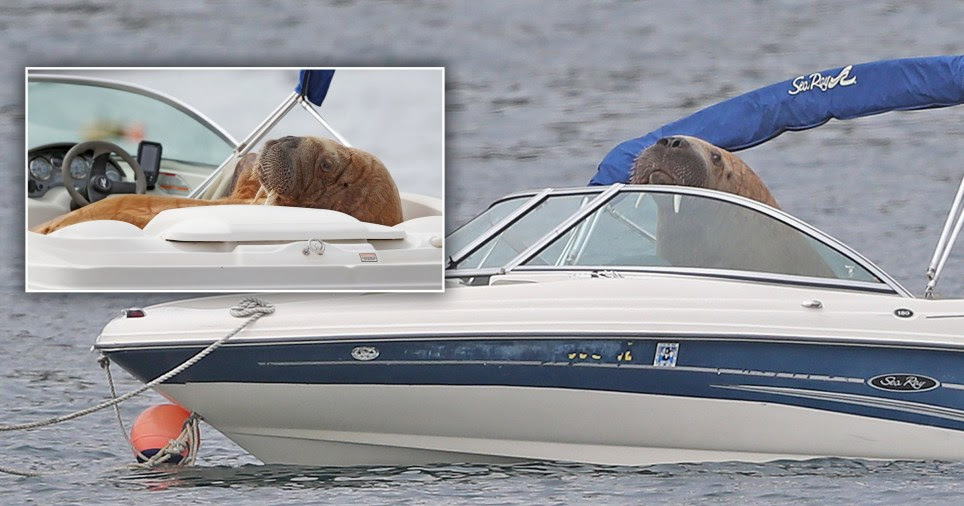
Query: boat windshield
x,y
666,230
465,234
518,237
70,112
658,228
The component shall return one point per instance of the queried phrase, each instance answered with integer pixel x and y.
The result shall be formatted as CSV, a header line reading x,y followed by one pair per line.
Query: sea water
x,y
537,93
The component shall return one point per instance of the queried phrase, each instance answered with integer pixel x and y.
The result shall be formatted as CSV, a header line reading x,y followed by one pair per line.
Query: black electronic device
x,y
149,158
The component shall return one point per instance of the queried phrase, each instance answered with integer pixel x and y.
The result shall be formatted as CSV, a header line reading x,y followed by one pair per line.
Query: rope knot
x,y
250,306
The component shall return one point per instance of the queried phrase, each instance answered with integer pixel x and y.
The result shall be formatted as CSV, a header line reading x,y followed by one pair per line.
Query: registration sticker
x,y
666,354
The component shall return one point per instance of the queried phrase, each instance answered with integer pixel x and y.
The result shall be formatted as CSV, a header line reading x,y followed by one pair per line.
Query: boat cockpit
x,y
82,135
68,111
624,229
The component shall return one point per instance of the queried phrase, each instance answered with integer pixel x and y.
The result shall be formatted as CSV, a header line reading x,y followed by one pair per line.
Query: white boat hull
x,y
746,372
346,425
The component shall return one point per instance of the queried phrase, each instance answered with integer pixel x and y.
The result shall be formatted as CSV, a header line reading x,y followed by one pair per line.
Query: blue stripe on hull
x,y
821,376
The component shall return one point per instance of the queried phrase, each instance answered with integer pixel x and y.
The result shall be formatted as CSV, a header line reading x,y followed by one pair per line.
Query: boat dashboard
x,y
651,228
45,169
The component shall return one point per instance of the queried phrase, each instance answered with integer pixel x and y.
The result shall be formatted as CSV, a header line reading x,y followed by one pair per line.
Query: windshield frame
x,y
139,90
535,198
887,284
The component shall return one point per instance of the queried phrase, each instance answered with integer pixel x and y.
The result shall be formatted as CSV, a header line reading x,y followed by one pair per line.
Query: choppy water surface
x,y
537,94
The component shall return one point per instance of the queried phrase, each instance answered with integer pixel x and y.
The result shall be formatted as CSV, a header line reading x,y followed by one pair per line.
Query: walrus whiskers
x,y
690,161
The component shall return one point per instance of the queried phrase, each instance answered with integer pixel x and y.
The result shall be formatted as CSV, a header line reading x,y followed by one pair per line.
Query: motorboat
x,y
611,324
210,248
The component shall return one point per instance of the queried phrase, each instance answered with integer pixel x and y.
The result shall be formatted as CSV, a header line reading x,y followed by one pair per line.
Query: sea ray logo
x,y
903,383
364,353
818,81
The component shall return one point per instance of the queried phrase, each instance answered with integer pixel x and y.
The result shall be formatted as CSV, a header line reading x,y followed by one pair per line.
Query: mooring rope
x,y
189,437
251,307
186,440
105,363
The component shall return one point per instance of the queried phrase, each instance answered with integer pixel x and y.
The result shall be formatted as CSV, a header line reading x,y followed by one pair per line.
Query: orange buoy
x,y
155,427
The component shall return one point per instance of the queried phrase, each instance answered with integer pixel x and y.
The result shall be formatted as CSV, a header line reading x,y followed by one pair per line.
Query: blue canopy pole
x,y
313,88
804,102
248,142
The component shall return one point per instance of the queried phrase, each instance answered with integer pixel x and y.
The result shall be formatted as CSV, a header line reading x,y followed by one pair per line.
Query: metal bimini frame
x,y
261,130
952,228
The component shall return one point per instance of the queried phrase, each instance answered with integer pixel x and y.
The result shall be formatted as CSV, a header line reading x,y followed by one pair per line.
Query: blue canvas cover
x,y
806,101
315,84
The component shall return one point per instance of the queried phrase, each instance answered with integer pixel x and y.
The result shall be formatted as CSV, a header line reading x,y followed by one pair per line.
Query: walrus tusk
x,y
272,197
258,195
676,201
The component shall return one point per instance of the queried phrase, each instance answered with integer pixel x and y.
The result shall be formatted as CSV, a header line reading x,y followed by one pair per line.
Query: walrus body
x,y
707,233
296,171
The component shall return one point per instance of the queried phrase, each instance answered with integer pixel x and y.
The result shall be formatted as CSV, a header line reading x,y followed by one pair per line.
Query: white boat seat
x,y
241,223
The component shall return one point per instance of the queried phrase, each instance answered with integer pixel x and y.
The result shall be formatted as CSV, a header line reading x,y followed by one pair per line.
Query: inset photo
x,y
234,179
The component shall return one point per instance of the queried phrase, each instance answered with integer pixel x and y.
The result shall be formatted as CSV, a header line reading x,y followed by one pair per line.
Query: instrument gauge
x,y
40,168
114,174
79,167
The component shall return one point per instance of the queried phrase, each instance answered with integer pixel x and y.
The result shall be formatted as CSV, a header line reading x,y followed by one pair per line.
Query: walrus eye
x,y
717,158
326,165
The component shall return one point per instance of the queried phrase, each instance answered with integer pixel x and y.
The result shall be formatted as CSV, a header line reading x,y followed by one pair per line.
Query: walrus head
x,y
689,161
275,165
322,173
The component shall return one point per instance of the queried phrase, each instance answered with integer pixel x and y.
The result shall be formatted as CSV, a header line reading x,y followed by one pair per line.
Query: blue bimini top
x,y
314,84
806,101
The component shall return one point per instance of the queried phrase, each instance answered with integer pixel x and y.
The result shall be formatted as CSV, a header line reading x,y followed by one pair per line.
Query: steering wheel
x,y
103,186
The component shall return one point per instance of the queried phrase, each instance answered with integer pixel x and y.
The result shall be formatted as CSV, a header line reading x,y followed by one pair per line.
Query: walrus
x,y
707,233
338,177
292,171
690,161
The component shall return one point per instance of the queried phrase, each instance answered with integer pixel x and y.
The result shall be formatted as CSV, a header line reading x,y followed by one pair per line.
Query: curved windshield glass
x,y
71,112
516,238
476,226
667,230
